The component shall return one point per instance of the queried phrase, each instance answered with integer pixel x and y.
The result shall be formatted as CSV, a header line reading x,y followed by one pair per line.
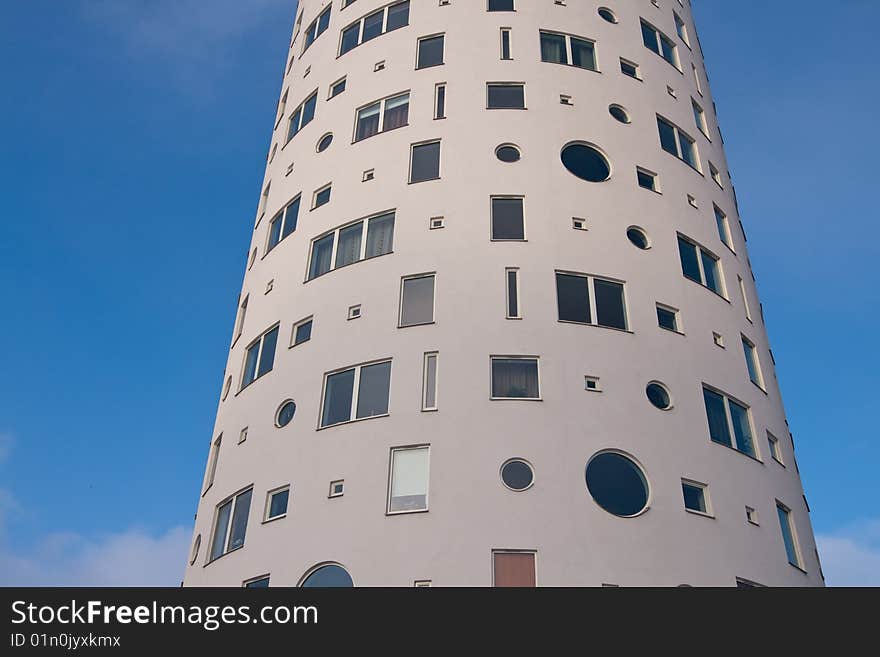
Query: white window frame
x,y
676,313
298,113
324,188
707,502
681,29
332,494
281,216
759,372
412,148
730,428
653,176
426,388
745,298
492,198
411,277
678,132
660,35
775,448
724,227
360,23
405,448
591,289
428,37
507,273
271,494
568,37
333,85
438,114
257,376
304,320
702,249
326,10
355,393
700,118
697,79
239,321
227,531
381,103
335,232
798,553
508,32
213,459
495,357
635,67
525,104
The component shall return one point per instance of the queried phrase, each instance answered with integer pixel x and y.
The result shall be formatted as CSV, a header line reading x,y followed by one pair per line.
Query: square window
x,y
276,503
321,197
430,52
337,488
302,332
513,569
629,69
592,383
695,497
354,312
436,223
647,179
507,219
667,318
578,224
337,88
359,392
515,378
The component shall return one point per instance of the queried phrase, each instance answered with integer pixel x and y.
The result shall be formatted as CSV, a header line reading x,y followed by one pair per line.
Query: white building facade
x,y
498,324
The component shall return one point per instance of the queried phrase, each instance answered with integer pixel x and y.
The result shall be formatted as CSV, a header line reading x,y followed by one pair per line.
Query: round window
x,y
659,396
285,413
586,162
517,474
507,153
619,113
329,576
638,238
324,142
607,14
195,550
617,484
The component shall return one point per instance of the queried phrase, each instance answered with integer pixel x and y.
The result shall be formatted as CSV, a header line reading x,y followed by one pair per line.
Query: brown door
x,y
514,569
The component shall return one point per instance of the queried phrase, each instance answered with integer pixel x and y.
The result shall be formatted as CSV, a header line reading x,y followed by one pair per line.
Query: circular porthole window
x,y
517,474
586,162
638,237
226,387
619,113
658,395
324,142
330,576
195,551
617,484
608,15
285,413
508,153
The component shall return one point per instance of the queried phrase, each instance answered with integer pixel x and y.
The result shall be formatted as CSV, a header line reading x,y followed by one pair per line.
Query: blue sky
x,y
135,136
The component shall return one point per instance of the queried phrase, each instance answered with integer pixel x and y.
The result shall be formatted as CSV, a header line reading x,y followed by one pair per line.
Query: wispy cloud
x,y
851,556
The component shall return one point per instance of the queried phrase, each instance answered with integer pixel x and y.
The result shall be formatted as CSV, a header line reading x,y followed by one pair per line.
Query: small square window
x,y
718,339
647,179
276,503
630,69
242,436
321,197
751,515
692,201
436,223
696,497
337,88
578,223
591,383
337,488
302,332
565,99
379,66
422,584
369,174
354,312
667,318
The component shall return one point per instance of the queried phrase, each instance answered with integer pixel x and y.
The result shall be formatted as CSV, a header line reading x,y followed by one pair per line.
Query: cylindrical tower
x,y
498,324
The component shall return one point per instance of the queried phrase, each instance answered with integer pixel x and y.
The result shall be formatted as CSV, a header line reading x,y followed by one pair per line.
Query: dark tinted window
x,y
658,396
278,503
719,431
373,390
628,69
501,5
337,398
262,583
303,333
286,413
430,52
573,298
507,153
694,499
610,309
586,162
267,356
507,219
690,266
517,474
667,137
637,237
515,378
646,180
608,15
506,96
325,142
425,162
398,16
619,113
666,319
617,484
328,576
553,48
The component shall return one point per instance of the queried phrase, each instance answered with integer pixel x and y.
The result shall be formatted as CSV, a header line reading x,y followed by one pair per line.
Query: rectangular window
x,y
586,299
677,142
282,105
373,25
337,88
429,382
424,162
356,393
789,537
700,118
382,116
430,52
302,332
417,300
239,322
511,276
303,115
508,223
337,488
745,298
775,449
647,179
352,243
752,362
729,422
321,197
500,5
505,43
659,43
569,50
213,458
317,27
513,569
629,69
283,223
681,29
230,524
667,318
515,378
695,497
723,227
408,480
440,101
700,265
257,583
260,357
505,95
697,79
276,503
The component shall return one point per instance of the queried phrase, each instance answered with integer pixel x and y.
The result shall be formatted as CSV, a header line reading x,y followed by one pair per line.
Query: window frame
x,y
318,30
493,358
227,531
517,295
592,305
502,197
798,556
569,50
731,430
413,277
355,393
751,350
380,129
270,494
679,133
362,255
261,340
522,85
660,37
412,150
426,388
282,216
296,326
704,490
426,447
775,448
700,249
360,25
298,114
430,37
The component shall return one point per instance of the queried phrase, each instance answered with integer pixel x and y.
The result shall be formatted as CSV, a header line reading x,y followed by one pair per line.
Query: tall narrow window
x,y
417,300
429,382
700,265
508,223
352,243
789,537
752,362
303,115
681,29
512,281
659,43
697,79
356,393
230,524
586,299
775,449
513,569
505,43
440,101
723,227
515,378
424,162
745,298
239,323
505,95
382,116
408,480
283,224
677,142
260,357
700,118
213,458
729,422
430,52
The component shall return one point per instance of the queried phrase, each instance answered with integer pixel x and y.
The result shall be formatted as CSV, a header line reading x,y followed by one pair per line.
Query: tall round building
x,y
498,324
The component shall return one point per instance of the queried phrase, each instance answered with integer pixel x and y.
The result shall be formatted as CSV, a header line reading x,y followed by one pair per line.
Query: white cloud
x,y
851,556
130,558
